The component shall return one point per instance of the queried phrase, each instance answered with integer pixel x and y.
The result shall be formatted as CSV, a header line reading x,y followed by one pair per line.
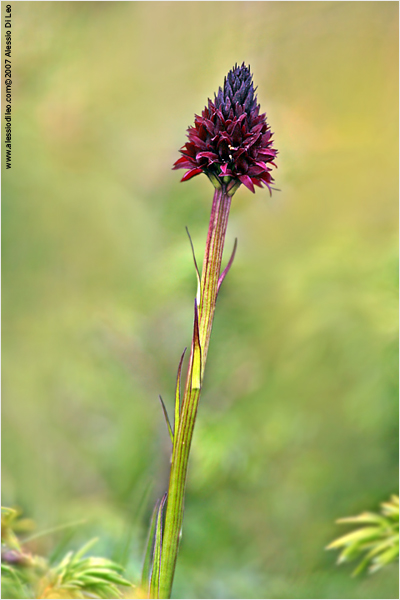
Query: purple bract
x,y
231,142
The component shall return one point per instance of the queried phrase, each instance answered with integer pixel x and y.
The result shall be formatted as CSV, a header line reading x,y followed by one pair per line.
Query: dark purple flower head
x,y
231,142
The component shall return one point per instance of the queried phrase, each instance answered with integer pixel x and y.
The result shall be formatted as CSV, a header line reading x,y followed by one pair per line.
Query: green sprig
x,y
25,575
378,540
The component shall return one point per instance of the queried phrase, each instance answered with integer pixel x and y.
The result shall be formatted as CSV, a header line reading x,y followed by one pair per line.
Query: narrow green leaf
x,y
107,575
60,548
391,508
360,535
51,530
196,360
98,564
6,569
64,564
198,297
366,517
362,566
84,580
178,394
155,574
11,574
101,588
146,570
385,558
377,549
351,552
85,548
171,435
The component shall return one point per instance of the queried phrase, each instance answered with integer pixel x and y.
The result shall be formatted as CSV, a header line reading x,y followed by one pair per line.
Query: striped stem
x,y
204,315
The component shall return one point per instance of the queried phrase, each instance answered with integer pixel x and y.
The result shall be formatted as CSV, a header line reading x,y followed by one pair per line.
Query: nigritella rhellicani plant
x,y
232,144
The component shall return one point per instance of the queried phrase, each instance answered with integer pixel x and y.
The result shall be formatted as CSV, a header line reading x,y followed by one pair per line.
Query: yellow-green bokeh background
x,y
298,420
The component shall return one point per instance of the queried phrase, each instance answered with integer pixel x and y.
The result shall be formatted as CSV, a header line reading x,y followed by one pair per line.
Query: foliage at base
x,y
25,575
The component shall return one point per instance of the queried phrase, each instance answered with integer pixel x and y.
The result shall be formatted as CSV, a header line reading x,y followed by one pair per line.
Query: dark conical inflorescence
x,y
231,141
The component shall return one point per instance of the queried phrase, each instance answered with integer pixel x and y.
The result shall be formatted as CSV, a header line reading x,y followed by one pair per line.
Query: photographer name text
x,y
8,84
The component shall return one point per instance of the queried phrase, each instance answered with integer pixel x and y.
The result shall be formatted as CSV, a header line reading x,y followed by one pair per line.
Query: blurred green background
x,y
298,419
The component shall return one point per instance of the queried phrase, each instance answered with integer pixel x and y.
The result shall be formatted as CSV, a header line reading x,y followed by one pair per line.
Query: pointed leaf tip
x,y
178,394
156,567
147,564
228,266
196,361
196,267
171,435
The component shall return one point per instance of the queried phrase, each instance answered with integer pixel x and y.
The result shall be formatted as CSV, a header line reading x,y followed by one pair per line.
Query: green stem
x,y
184,433
212,268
